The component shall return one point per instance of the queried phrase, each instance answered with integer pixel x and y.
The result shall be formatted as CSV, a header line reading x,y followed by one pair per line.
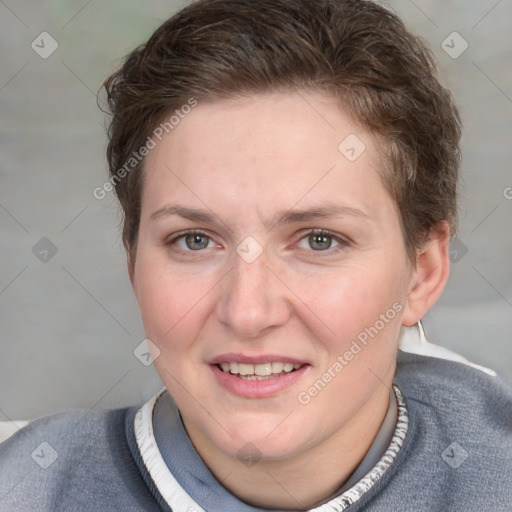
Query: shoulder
x,y
76,458
458,450
445,385
455,388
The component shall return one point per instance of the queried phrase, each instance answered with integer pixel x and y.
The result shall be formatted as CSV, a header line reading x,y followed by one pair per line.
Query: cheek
x,y
172,313
358,313
171,303
350,299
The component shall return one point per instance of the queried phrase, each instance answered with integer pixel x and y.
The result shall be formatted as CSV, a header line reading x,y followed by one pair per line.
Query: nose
x,y
253,300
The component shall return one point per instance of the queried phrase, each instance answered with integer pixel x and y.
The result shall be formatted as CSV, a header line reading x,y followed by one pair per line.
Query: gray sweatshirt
x,y
451,450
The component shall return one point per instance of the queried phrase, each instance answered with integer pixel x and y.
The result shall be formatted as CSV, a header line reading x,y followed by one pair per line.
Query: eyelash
x,y
342,243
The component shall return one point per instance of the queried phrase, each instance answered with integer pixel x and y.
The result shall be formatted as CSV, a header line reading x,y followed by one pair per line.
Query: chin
x,y
263,438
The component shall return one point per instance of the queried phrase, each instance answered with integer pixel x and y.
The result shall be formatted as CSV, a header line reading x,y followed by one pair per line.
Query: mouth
x,y
257,377
260,371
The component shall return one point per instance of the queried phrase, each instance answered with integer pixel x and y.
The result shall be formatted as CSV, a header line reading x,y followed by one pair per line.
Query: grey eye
x,y
195,241
320,242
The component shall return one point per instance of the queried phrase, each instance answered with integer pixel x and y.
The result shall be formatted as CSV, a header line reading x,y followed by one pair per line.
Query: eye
x,y
193,241
319,240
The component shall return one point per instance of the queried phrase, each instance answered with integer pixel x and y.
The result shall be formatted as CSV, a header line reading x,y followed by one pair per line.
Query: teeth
x,y
258,370
245,369
277,367
263,370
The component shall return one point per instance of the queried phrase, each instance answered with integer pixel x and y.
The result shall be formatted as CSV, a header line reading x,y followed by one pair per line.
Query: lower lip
x,y
257,388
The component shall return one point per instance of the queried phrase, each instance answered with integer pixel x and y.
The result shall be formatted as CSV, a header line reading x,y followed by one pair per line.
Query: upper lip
x,y
264,358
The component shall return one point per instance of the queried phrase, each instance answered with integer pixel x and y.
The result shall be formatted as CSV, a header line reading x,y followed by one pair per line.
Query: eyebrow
x,y
187,213
281,218
296,216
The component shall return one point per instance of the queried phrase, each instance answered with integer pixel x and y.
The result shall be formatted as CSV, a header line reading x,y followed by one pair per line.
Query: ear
x,y
430,276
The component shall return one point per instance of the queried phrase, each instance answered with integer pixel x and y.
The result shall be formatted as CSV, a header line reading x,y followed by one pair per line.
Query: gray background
x,y
69,325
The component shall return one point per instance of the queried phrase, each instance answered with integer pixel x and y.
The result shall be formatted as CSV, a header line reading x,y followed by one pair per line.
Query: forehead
x,y
266,150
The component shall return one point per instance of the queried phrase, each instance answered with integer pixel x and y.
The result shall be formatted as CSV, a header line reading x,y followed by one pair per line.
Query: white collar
x,y
413,340
180,501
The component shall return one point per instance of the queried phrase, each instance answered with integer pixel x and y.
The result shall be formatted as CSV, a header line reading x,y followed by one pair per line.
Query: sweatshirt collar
x,y
184,481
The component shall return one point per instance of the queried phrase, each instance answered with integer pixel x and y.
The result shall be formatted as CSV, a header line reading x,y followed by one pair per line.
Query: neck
x,y
306,479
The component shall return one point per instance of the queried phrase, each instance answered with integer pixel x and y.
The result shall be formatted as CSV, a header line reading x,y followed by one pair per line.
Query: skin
x,y
243,162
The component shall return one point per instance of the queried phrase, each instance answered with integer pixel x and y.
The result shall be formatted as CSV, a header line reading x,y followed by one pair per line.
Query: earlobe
x,y
430,276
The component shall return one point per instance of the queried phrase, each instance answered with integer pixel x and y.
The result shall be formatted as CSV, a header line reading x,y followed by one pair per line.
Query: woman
x,y
287,172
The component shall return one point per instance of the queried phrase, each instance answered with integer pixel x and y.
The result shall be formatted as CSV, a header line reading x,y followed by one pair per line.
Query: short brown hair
x,y
356,50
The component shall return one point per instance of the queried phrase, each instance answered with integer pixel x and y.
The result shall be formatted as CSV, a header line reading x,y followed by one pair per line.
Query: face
x,y
271,272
